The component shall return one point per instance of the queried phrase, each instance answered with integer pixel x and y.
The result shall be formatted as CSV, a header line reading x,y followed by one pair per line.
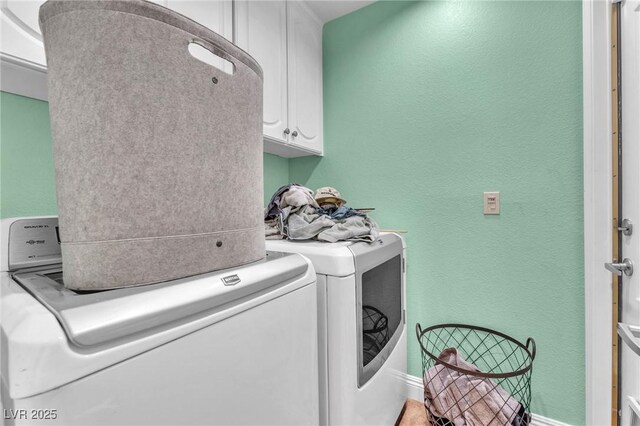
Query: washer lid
x,y
98,318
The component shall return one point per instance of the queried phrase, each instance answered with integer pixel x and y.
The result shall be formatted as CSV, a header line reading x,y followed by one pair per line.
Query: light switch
x,y
491,203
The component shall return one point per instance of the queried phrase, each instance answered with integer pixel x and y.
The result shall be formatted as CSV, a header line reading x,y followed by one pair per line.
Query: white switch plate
x,y
491,203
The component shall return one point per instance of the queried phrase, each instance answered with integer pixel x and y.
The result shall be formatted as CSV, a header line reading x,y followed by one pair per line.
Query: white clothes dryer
x,y
362,328
237,346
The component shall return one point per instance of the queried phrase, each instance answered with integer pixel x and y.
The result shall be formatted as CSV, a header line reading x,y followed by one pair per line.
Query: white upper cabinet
x,y
216,15
305,77
23,57
23,66
284,37
286,40
21,38
262,31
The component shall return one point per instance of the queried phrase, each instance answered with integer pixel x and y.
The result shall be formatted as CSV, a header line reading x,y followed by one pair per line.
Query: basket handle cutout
x,y
532,350
211,57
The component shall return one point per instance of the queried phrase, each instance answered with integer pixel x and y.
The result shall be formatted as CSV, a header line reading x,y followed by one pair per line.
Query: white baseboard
x,y
539,420
416,388
416,391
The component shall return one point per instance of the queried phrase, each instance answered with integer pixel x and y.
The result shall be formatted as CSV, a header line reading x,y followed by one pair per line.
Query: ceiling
x,y
328,10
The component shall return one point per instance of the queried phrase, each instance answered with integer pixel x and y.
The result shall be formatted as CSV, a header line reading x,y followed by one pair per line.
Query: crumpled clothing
x,y
306,223
271,230
339,212
291,195
464,399
354,228
293,214
328,206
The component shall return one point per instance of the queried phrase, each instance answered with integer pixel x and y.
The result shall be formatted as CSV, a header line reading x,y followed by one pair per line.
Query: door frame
x,y
597,156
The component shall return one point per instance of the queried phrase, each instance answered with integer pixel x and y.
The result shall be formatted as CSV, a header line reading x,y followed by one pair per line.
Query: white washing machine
x,y
362,328
237,346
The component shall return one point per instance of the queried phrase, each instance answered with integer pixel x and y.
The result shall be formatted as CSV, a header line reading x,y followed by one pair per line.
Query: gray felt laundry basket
x,y
158,156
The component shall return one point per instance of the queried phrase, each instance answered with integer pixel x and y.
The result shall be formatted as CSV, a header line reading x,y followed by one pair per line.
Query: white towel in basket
x,y
464,399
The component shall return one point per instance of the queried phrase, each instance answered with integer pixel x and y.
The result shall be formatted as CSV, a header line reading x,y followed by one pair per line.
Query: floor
x,y
414,414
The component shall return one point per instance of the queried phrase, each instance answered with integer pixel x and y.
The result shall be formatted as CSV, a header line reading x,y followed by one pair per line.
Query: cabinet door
x,y
215,15
305,78
21,37
262,31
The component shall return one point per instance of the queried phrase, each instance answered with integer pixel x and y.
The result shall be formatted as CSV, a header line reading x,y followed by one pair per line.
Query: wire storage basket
x,y
475,376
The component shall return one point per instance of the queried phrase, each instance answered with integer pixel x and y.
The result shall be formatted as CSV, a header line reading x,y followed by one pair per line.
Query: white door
x,y
305,78
630,290
262,31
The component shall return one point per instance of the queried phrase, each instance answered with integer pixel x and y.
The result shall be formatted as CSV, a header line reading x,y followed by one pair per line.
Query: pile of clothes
x,y
454,398
296,213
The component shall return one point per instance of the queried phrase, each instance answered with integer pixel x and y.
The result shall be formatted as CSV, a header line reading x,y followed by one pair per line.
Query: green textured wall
x,y
429,104
27,186
276,174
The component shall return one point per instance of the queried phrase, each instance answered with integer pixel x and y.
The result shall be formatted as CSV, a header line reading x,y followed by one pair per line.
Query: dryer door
x,y
379,300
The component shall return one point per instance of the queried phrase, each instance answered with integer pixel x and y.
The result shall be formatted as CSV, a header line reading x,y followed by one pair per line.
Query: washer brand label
x,y
231,280
32,242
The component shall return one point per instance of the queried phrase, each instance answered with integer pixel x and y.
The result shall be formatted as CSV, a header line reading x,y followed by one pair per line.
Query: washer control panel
x,y
34,242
